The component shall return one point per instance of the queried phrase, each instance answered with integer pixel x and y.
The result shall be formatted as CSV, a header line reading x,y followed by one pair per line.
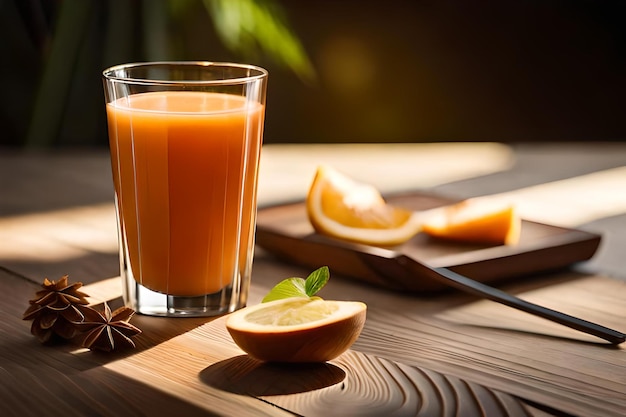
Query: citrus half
x,y
340,207
297,329
476,220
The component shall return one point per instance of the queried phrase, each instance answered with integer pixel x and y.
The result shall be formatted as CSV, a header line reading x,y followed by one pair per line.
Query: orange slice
x,y
340,207
297,329
476,221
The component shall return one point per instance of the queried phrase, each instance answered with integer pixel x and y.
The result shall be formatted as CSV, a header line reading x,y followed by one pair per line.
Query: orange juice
x,y
184,169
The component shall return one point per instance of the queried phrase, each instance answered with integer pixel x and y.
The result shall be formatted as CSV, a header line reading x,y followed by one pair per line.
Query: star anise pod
x,y
108,330
57,306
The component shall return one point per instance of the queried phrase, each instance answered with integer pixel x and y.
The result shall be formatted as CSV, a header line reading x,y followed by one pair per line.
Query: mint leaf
x,y
290,287
316,280
298,287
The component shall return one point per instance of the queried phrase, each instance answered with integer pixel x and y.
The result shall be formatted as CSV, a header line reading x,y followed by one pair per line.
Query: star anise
x,y
57,306
108,330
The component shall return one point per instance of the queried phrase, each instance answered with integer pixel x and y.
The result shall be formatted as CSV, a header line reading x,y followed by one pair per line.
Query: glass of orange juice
x,y
185,140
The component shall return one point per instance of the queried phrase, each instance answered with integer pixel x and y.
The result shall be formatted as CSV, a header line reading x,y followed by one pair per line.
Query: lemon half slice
x,y
340,207
297,329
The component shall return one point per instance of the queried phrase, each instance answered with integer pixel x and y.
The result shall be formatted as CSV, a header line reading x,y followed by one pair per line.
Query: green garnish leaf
x,y
316,280
290,287
299,287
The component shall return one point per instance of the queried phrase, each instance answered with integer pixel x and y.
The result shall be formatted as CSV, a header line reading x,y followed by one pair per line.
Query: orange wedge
x,y
340,207
297,329
476,221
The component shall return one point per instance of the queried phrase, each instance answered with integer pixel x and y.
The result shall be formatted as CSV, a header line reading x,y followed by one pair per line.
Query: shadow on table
x,y
88,268
541,334
20,346
245,375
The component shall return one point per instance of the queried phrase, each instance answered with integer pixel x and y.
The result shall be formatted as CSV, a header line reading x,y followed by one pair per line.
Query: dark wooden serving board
x,y
286,232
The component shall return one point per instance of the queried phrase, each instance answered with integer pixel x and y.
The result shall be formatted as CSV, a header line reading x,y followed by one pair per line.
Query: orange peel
x,y
340,207
476,221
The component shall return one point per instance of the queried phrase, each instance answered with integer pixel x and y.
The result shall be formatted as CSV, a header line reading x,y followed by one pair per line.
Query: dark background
x,y
386,71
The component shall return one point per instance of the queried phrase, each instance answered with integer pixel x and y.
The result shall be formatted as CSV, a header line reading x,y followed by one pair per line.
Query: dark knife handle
x,y
468,285
477,288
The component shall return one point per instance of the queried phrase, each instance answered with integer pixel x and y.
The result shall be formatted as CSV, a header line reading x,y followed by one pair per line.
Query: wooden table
x,y
449,354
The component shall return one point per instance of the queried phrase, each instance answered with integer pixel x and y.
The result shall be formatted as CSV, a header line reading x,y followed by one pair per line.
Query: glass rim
x,y
108,73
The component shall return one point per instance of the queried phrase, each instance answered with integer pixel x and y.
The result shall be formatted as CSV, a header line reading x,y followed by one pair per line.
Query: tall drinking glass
x,y
185,141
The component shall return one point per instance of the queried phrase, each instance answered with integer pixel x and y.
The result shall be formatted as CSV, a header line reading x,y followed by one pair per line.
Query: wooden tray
x,y
286,232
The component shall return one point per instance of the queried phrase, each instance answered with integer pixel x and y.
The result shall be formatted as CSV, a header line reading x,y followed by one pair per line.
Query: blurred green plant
x,y
254,26
252,29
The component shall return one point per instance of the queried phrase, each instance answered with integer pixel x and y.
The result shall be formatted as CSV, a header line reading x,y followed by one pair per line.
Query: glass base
x,y
152,303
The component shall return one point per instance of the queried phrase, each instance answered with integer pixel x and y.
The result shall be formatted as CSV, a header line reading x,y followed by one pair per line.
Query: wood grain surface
x,y
434,355
452,356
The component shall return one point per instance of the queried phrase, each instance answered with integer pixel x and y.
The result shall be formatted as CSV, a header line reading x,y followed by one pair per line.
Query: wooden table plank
x,y
196,369
493,350
70,381
503,348
455,335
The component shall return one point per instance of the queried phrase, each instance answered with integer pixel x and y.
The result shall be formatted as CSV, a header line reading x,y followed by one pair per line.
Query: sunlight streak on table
x,y
573,201
59,237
